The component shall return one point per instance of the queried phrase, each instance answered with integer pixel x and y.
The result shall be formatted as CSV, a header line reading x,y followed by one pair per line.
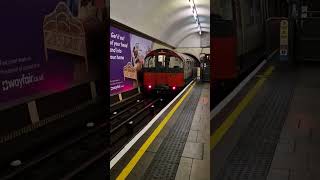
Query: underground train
x,y
165,70
237,37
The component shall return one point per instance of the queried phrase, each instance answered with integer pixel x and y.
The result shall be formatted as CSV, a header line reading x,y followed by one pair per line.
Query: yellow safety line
x,y
126,171
221,131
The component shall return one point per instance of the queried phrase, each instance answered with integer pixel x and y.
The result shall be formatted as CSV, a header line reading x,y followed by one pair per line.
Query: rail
x,y
126,109
133,116
54,151
85,165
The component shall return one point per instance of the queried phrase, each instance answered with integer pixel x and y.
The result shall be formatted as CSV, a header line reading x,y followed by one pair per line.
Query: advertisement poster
x,y
47,46
127,53
140,47
120,57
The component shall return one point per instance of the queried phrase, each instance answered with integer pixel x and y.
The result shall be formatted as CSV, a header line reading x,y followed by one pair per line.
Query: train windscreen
x,y
163,61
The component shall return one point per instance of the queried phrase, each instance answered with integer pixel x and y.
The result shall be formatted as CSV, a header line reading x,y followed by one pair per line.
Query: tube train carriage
x,y
165,70
237,36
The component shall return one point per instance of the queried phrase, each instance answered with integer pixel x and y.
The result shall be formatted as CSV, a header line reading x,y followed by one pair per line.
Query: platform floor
x,y
275,127
180,150
297,155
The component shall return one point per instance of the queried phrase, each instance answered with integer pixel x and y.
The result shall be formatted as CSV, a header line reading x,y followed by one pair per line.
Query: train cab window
x,y
160,58
154,61
175,63
163,62
150,62
167,62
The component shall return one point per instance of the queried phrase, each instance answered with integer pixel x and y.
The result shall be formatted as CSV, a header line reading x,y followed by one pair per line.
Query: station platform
x,y
176,146
271,128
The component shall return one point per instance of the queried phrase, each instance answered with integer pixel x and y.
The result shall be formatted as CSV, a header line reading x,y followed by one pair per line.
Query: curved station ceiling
x,y
170,21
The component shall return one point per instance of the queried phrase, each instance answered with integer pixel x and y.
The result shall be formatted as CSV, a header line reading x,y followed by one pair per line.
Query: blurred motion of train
x,y
165,70
237,37
205,67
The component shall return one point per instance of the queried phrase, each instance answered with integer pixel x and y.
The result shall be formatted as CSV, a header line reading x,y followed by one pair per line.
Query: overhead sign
x,y
284,39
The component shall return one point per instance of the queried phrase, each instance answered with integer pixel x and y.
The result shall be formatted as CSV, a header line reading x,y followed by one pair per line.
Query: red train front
x,y
165,70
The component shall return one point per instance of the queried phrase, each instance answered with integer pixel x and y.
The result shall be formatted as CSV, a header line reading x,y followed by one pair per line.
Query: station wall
x,y
160,46
196,40
193,40
194,51
195,44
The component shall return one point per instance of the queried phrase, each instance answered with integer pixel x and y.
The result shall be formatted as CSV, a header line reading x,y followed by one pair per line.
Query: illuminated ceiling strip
x,y
195,14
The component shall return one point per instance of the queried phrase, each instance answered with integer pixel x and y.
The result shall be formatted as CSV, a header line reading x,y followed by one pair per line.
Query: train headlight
x,y
173,88
149,86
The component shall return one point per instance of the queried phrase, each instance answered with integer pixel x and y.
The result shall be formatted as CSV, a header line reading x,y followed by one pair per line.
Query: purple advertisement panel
x,y
46,46
127,53
121,72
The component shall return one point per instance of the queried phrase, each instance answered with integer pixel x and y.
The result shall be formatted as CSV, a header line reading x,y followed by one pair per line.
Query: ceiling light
x,y
195,14
191,4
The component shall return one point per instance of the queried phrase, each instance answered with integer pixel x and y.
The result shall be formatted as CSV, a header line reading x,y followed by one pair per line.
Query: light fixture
x,y
195,14
191,5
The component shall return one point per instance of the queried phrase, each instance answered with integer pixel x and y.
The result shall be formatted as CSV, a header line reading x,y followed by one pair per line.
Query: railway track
x,y
120,106
125,124
67,160
89,151
129,113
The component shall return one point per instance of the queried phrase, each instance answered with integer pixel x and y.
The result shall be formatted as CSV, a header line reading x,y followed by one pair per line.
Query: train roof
x,y
183,57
